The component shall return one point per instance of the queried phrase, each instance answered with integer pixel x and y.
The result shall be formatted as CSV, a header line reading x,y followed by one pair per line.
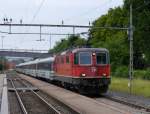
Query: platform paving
x,y
1,87
3,95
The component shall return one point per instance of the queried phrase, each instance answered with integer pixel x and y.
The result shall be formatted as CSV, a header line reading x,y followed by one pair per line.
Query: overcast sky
x,y
78,12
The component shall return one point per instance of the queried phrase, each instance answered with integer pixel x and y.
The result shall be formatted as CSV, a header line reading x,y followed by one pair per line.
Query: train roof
x,y
50,59
84,49
89,49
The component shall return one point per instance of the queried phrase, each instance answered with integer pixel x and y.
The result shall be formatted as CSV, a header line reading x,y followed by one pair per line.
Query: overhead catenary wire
x,y
65,26
38,10
36,13
88,11
36,33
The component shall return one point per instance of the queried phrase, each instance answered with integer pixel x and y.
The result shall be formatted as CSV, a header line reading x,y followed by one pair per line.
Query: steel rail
x,y
50,105
19,98
123,100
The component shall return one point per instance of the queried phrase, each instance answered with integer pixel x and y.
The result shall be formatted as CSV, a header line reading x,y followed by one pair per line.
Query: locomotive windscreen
x,y
101,58
85,58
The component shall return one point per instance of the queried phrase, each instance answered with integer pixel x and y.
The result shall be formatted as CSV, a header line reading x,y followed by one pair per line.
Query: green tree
x,y
64,44
2,63
117,40
114,40
141,22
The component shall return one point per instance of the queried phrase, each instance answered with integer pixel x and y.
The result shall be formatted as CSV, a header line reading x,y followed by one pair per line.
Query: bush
x,y
142,74
147,74
121,71
139,74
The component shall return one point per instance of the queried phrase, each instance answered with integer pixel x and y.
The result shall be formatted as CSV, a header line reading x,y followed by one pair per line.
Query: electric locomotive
x,y
86,69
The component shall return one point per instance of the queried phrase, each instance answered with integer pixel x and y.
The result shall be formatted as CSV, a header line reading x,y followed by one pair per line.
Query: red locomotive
x,y
86,69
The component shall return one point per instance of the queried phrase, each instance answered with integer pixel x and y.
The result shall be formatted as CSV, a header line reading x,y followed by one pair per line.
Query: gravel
x,y
131,98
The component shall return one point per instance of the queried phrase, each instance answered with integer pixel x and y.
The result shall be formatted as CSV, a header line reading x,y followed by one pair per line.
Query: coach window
x,y
101,58
67,59
85,58
57,60
76,58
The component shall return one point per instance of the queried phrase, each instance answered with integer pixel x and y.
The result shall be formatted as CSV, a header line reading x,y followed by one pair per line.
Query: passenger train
x,y
84,69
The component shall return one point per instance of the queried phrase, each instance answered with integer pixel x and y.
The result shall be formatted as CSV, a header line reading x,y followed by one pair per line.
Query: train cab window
x,y
76,58
101,58
67,59
58,60
62,60
85,58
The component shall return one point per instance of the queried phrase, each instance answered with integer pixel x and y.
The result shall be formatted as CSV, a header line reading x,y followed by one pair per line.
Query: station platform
x,y
3,95
82,104
1,87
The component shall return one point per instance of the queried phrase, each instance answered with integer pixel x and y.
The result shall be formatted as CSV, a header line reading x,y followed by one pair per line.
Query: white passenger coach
x,y
39,68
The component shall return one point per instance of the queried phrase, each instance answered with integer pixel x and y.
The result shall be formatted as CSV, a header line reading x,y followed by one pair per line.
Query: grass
x,y
140,87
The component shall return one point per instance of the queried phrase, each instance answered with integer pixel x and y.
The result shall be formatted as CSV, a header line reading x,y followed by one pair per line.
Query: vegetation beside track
x,y
140,87
122,71
3,64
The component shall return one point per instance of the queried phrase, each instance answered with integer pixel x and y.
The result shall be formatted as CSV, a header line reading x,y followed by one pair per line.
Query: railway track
x,y
25,99
31,102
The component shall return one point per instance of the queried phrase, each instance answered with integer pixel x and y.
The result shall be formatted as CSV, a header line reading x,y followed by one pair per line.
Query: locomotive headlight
x,y
83,75
94,54
104,74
